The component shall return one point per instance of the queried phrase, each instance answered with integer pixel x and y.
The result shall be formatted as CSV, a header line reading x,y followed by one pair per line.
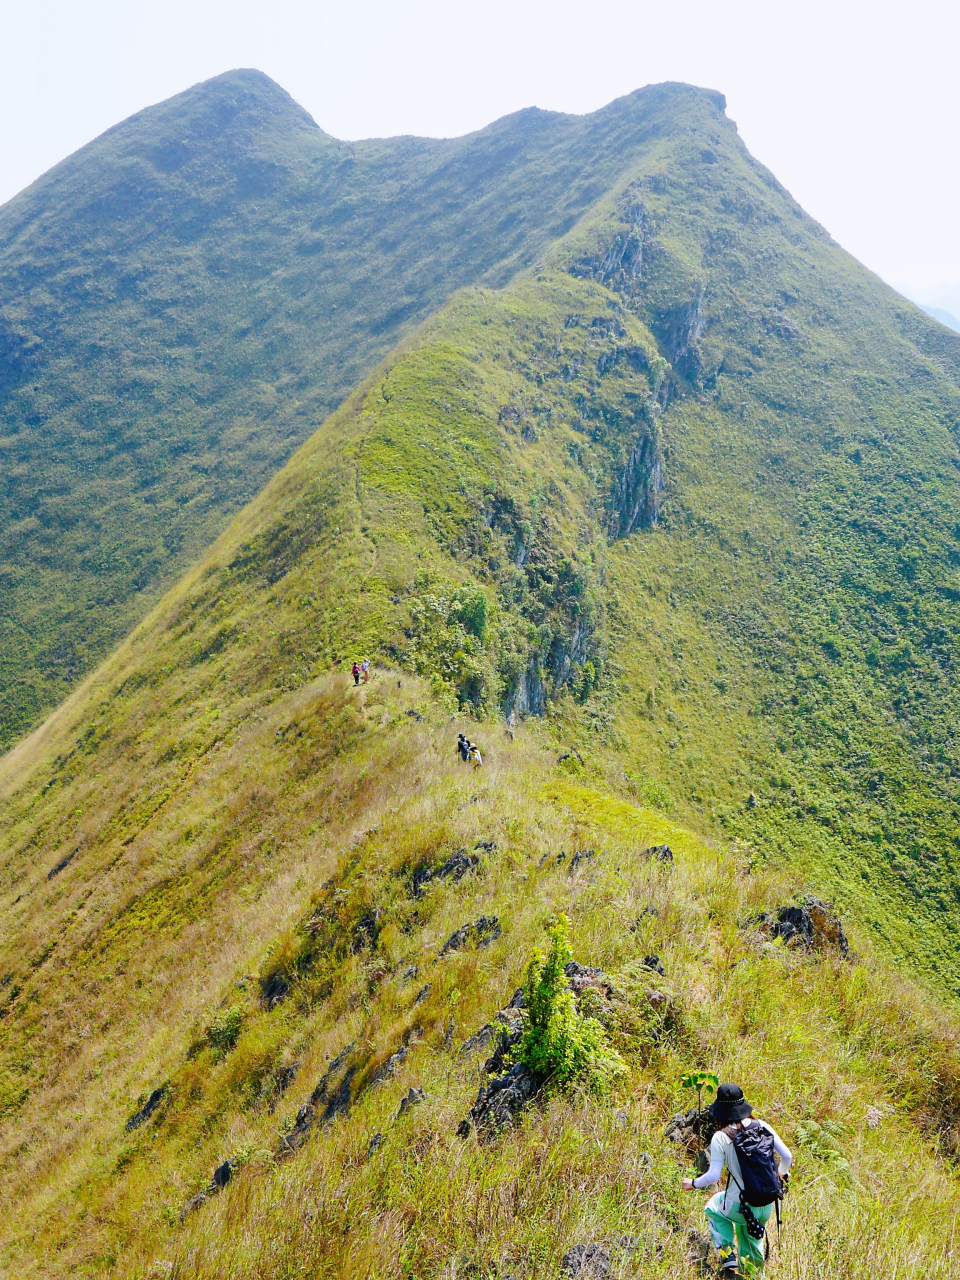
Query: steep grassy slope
x,y
817,1040
184,300
688,490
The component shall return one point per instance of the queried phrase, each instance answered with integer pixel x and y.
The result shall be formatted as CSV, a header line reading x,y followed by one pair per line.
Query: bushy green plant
x,y
559,1042
701,1081
447,647
224,1030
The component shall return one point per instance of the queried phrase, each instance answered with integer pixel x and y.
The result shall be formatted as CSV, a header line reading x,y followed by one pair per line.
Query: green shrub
x,y
559,1042
224,1030
469,607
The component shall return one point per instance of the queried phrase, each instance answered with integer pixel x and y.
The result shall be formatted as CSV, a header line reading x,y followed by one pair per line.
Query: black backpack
x,y
761,1179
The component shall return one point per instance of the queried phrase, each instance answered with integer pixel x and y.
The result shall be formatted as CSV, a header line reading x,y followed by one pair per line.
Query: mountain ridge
x,y
685,489
190,296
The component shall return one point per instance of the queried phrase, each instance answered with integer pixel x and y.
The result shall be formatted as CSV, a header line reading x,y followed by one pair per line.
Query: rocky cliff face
x,y
639,491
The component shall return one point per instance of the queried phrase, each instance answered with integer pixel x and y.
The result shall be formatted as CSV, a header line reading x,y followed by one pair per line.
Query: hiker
x,y
365,668
745,1147
474,756
355,672
463,748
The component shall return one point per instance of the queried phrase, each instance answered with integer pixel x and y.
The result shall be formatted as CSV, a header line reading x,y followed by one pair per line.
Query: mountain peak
x,y
666,526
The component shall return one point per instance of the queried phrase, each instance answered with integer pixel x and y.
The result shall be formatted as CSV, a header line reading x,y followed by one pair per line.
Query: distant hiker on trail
x,y
745,1147
463,748
355,672
474,756
365,668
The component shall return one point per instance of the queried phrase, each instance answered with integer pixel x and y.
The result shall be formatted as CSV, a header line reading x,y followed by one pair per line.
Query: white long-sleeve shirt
x,y
723,1154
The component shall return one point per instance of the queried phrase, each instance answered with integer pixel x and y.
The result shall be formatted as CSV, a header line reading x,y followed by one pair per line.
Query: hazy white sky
x,y
853,104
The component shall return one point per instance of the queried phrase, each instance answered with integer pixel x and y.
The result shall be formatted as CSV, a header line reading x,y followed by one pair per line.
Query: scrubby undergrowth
x,y
856,1068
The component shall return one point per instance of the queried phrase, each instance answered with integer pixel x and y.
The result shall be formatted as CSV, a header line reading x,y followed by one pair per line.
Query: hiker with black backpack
x,y
745,1147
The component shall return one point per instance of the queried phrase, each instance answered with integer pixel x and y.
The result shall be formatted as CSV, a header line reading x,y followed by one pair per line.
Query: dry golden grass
x,y
808,1037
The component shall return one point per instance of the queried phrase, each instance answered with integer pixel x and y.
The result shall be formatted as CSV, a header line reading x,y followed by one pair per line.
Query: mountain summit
x,y
657,505
184,301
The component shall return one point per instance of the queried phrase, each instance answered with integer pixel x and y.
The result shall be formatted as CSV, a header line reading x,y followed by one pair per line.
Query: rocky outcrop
x,y
500,1102
221,1176
390,1066
413,1098
691,1131
330,1098
275,989
586,1262
620,261
148,1108
528,695
638,494
455,868
480,933
812,926
580,857
581,977
680,331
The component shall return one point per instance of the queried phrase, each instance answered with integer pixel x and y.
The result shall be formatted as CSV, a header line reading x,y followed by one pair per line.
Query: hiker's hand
x,y
687,1184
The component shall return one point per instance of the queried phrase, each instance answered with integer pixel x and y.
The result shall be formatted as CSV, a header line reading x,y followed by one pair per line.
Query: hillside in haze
x,y
670,523
183,302
945,317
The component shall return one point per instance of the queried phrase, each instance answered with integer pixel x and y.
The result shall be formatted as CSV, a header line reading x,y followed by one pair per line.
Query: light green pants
x,y
729,1230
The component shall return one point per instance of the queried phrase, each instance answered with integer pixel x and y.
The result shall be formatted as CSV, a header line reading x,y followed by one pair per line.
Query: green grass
x,y
814,1040
752,663
189,296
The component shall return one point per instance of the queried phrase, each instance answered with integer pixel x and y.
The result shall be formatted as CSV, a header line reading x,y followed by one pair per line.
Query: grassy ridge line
x,y
814,1040
806,555
189,296
305,572
186,690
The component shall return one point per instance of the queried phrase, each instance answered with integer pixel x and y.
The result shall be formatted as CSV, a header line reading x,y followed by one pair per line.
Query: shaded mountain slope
x,y
688,490
185,299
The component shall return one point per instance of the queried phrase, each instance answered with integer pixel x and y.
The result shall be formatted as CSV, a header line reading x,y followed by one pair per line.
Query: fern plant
x,y
822,1141
558,1041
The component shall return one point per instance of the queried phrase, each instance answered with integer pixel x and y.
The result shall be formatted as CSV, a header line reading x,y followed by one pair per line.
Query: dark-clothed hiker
x,y
463,748
355,672
745,1147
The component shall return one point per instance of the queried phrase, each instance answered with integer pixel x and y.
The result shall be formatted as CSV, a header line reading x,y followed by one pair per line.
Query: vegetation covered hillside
x,y
184,301
669,524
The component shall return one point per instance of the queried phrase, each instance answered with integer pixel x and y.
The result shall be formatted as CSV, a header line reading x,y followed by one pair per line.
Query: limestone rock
x,y
148,1108
482,932
500,1102
586,1262
812,926
413,1099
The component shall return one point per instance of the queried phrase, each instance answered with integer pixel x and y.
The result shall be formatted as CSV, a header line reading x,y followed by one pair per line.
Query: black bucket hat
x,y
729,1105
